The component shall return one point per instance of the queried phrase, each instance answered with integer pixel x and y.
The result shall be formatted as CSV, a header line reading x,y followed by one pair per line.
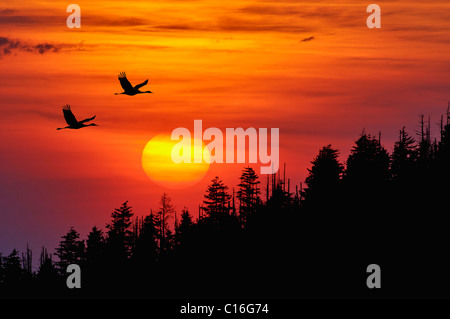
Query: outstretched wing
x,y
87,120
68,115
126,85
137,87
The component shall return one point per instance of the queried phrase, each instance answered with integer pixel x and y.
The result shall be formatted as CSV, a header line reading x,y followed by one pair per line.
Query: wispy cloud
x,y
258,25
8,46
276,10
7,11
307,39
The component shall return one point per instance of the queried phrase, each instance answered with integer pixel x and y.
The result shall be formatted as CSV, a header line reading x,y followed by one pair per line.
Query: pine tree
x,y
119,234
184,228
248,194
444,143
44,257
165,212
404,155
145,250
216,200
12,270
27,261
368,162
324,175
424,149
443,155
95,246
27,265
47,274
71,250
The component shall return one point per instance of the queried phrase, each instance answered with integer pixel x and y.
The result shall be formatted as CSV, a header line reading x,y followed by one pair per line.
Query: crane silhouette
x,y
72,121
128,88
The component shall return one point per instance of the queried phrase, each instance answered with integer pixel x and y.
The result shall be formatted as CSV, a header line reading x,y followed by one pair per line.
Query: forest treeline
x,y
269,238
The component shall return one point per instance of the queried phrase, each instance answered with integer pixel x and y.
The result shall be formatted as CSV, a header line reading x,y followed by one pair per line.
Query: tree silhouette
x,y
324,177
165,212
368,162
443,153
119,235
424,148
95,262
27,261
184,228
404,155
95,246
145,250
12,271
216,200
248,194
71,250
47,275
385,209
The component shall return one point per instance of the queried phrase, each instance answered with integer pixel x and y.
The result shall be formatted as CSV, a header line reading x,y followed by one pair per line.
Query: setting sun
x,y
160,168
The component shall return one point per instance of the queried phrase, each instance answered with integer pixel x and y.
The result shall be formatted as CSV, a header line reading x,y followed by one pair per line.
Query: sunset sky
x,y
313,69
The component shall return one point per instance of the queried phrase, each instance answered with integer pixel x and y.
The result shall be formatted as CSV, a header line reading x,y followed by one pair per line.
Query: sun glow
x,y
158,164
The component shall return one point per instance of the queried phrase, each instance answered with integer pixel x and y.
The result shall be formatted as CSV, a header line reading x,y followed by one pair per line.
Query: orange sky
x,y
230,64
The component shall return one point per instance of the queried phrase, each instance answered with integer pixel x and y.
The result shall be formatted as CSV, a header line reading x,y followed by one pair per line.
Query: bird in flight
x,y
128,88
72,121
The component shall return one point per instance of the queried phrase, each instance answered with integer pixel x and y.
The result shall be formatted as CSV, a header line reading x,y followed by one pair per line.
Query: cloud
x,y
9,17
45,47
8,46
307,39
271,10
118,21
23,19
7,11
231,24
